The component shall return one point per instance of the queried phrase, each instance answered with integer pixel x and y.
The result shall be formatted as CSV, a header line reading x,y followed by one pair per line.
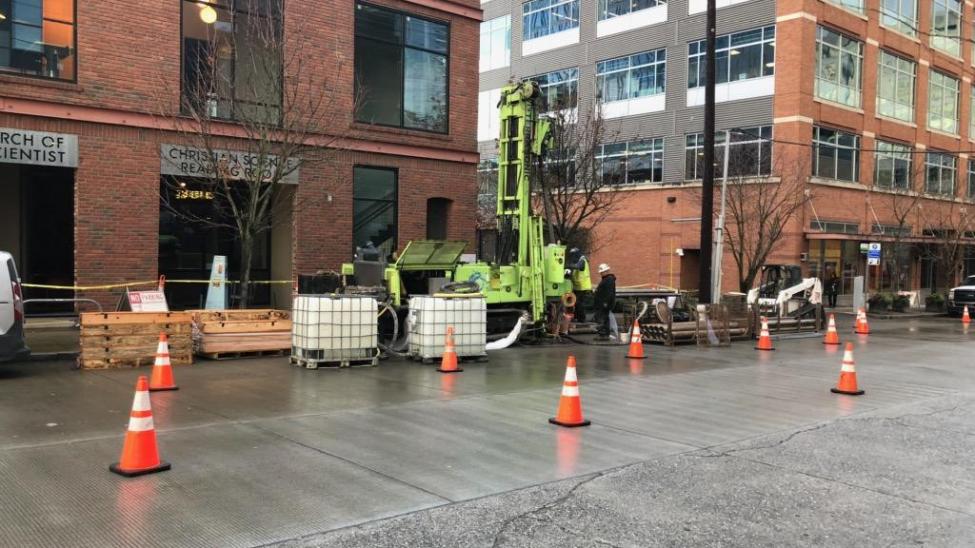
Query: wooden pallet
x,y
315,364
259,315
240,333
237,355
130,339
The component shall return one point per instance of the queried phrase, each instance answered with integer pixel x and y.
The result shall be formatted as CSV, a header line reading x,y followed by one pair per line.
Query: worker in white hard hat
x,y
605,300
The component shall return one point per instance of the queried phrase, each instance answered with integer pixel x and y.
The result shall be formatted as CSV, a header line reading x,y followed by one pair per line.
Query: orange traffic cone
x,y
965,318
832,337
140,455
764,339
636,343
570,404
448,364
848,375
162,370
862,327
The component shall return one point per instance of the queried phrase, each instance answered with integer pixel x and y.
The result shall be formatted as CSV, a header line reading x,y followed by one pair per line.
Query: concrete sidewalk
x,y
263,452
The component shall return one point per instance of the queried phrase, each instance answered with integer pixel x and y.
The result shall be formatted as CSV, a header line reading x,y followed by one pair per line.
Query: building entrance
x,y
37,228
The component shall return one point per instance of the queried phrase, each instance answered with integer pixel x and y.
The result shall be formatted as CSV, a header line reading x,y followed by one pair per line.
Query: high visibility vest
x,y
580,278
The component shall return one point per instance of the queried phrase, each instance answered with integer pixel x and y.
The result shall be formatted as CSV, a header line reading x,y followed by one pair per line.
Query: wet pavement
x,y
694,446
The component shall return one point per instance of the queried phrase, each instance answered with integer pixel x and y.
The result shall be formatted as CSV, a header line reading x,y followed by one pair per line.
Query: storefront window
x,y
232,60
37,37
374,208
193,228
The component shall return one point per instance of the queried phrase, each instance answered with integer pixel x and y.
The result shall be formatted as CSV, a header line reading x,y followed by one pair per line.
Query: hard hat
x,y
603,268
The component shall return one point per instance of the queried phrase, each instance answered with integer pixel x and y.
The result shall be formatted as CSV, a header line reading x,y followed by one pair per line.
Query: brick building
x,y
85,92
864,104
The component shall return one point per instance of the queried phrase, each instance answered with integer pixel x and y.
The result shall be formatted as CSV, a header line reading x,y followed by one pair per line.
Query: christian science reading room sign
x,y
39,148
192,162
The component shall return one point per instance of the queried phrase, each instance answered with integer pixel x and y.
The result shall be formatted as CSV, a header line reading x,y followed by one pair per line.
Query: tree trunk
x,y
246,256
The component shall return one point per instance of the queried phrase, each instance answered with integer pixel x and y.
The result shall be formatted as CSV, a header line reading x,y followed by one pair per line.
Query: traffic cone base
x,y
456,369
162,467
569,424
848,393
635,351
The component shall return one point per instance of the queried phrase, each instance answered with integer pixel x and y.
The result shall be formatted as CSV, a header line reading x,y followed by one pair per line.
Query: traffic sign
x,y
873,253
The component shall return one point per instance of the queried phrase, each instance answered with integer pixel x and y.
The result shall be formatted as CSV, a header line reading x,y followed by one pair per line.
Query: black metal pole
x,y
707,187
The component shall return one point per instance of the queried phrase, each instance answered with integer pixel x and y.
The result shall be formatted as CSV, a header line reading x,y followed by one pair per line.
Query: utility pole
x,y
707,186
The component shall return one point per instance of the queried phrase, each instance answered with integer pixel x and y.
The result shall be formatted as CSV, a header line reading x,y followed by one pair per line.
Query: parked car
x,y
962,295
12,343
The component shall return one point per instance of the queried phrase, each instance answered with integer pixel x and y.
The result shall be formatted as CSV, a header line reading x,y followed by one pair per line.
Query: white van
x,y
12,344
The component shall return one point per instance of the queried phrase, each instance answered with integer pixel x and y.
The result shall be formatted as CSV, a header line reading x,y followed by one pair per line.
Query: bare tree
x,y
900,206
948,227
256,105
759,208
574,184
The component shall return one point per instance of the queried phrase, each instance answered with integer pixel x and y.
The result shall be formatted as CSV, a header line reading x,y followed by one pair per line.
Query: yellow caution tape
x,y
154,283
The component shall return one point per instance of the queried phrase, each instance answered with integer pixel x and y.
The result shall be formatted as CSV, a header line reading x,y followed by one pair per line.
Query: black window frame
x,y
74,48
447,54
395,201
228,5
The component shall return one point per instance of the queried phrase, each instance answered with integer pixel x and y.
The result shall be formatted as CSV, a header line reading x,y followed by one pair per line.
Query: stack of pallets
x,y
221,334
130,339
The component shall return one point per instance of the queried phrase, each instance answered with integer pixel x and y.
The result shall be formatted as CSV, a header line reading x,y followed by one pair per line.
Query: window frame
x,y
507,43
227,5
941,168
898,74
628,74
696,55
403,46
723,142
551,4
971,179
940,110
820,44
394,201
74,47
542,87
601,9
945,37
654,153
818,144
894,156
907,27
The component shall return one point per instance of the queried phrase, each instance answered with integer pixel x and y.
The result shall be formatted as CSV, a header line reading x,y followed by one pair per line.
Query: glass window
x,y
232,61
895,87
939,173
971,179
750,149
559,89
839,63
739,56
835,154
852,5
495,43
971,113
943,93
544,17
37,37
900,15
892,163
632,76
632,163
401,69
615,8
946,26
374,197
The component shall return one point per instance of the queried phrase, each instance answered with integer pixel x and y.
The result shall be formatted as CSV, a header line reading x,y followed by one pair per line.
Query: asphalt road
x,y
694,447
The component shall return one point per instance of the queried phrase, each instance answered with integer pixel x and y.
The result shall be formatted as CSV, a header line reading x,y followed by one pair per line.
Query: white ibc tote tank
x,y
430,316
334,328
